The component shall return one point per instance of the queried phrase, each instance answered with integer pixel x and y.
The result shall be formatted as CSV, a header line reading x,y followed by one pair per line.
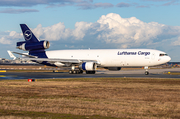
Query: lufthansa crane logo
x,y
28,34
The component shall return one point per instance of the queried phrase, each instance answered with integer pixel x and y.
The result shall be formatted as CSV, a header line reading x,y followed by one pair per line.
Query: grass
x,y
30,114
98,98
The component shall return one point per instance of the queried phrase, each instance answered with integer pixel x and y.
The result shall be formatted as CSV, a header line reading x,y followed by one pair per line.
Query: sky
x,y
95,24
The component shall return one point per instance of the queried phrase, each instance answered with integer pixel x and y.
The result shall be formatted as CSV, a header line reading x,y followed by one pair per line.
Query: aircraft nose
x,y
169,59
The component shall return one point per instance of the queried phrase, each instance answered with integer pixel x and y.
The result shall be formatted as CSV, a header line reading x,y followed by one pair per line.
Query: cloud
x,y
9,37
103,5
165,2
20,3
143,6
170,3
122,4
109,31
17,11
81,29
84,4
95,5
177,42
52,33
30,3
112,30
52,3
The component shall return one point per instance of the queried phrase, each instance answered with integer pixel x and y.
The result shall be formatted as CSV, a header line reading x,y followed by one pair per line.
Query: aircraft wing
x,y
52,61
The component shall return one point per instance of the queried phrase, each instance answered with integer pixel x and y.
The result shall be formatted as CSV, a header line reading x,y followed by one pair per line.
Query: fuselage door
x,y
153,56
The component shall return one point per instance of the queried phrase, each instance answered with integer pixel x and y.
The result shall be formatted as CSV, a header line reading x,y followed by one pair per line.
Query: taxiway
x,y
139,73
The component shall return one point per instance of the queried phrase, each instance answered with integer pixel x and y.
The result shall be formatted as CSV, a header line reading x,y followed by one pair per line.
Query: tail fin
x,y
28,34
31,43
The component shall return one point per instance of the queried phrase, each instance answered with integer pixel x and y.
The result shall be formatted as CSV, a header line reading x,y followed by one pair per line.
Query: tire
x,y
74,72
81,71
70,72
146,73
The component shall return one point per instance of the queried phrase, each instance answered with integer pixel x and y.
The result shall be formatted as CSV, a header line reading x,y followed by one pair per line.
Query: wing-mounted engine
x,y
29,46
88,66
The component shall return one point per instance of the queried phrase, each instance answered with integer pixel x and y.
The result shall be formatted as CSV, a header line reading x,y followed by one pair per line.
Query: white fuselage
x,y
114,57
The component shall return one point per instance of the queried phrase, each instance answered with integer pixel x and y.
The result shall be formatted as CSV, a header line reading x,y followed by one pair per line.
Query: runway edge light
x,y
31,80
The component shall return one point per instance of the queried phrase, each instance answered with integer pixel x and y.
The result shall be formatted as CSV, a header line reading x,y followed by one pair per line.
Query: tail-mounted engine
x,y
28,46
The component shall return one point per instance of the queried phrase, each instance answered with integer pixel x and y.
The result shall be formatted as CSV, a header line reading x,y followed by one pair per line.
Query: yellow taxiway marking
x,y
2,70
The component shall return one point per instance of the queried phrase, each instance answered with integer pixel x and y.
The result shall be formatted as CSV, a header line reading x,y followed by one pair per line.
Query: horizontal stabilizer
x,y
11,55
30,56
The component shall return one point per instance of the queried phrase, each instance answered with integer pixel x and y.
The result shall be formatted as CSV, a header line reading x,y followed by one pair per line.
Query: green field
x,y
92,98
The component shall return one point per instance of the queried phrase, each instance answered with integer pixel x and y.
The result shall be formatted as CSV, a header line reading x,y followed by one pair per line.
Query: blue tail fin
x,y
31,43
28,35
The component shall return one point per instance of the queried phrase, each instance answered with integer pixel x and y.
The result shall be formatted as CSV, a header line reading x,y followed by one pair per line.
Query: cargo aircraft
x,y
88,60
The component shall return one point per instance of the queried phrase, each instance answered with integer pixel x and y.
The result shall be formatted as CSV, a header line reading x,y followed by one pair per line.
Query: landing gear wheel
x,y
70,72
75,72
146,73
81,71
93,72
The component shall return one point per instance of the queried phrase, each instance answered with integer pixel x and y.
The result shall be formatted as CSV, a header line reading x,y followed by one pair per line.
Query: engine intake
x,y
28,46
88,66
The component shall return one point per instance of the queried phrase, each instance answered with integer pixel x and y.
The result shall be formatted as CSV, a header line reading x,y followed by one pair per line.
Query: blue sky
x,y
95,24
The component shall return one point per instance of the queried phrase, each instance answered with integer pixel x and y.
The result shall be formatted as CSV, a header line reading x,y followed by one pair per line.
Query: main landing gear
x,y
80,71
146,72
75,71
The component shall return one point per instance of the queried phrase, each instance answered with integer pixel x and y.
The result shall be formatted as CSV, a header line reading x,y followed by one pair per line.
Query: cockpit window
x,y
163,54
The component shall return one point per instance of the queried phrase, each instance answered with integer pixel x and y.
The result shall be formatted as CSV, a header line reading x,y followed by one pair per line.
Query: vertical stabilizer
x,y
28,34
32,44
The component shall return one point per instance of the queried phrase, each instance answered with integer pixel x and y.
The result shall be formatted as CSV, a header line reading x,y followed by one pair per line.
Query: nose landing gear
x,y
146,72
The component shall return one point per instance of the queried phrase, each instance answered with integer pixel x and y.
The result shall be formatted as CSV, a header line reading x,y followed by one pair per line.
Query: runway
x,y
154,73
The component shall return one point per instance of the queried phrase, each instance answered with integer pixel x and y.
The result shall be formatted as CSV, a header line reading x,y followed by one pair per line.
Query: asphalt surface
x,y
154,73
